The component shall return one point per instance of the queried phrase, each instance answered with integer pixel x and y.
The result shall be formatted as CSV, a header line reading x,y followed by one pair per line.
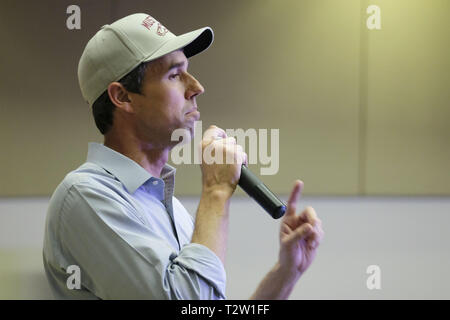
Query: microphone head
x,y
278,212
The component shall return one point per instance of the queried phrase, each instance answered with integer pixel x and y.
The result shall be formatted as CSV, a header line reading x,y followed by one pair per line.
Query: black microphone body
x,y
257,190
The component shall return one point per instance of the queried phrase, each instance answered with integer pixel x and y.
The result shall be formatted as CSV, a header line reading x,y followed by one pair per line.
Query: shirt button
x,y
155,182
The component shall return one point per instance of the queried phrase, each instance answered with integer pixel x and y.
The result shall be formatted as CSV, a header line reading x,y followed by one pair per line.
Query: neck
x,y
152,158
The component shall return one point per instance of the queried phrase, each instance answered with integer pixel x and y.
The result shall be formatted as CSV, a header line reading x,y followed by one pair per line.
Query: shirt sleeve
x,y
120,258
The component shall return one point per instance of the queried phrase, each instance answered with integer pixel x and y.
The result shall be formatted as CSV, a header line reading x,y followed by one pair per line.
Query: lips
x,y
192,110
194,114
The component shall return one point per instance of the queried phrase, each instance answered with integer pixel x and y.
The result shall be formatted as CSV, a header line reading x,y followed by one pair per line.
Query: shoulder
x,y
89,174
91,178
88,186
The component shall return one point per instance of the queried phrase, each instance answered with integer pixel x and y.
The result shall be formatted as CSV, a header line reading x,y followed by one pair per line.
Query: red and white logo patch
x,y
149,22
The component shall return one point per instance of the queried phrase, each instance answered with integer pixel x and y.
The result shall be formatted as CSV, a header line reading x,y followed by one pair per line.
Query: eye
x,y
175,75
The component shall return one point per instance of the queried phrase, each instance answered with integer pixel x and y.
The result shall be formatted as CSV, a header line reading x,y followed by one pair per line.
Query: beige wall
x,y
359,112
408,100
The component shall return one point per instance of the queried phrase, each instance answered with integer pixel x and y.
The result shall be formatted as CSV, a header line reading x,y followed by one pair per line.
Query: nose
x,y
194,88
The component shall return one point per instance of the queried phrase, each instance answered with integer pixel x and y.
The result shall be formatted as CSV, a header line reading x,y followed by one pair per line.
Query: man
x,y
115,217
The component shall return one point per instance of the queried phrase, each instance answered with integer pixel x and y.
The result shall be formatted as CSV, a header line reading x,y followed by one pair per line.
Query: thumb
x,y
301,232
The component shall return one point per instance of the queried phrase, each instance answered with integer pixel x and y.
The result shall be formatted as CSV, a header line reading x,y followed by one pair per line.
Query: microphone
x,y
257,190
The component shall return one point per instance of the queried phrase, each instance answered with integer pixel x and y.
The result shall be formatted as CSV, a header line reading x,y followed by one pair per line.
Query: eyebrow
x,y
175,65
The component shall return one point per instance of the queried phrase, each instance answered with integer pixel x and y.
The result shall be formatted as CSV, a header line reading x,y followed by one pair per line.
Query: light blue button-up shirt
x,y
127,233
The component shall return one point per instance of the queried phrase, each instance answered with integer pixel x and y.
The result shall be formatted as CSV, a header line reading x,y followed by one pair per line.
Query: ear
x,y
119,97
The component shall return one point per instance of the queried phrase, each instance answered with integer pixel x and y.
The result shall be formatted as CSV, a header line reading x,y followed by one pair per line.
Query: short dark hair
x,y
103,109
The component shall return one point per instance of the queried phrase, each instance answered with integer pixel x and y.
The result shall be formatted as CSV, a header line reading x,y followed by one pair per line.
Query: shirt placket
x,y
167,201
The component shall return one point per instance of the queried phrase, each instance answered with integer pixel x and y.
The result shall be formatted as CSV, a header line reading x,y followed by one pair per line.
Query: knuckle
x,y
231,140
311,212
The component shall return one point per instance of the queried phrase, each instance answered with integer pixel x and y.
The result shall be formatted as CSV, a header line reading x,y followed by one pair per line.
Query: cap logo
x,y
149,22
161,30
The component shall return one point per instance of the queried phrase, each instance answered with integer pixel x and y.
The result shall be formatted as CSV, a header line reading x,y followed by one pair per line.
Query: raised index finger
x,y
293,198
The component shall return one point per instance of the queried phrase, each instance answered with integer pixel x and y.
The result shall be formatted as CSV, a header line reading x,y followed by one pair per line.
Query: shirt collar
x,y
127,171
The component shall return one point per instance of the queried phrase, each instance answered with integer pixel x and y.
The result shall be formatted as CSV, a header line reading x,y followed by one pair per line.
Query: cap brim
x,y
192,43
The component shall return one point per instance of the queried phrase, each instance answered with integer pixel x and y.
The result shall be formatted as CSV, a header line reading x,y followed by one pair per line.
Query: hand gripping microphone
x,y
258,191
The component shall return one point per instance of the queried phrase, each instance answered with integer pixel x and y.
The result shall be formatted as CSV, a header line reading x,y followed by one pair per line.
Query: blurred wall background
x,y
362,115
359,112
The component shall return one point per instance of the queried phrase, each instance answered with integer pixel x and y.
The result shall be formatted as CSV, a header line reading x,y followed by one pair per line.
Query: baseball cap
x,y
118,48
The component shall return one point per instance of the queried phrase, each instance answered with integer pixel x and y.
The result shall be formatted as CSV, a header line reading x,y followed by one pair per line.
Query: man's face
x,y
168,100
